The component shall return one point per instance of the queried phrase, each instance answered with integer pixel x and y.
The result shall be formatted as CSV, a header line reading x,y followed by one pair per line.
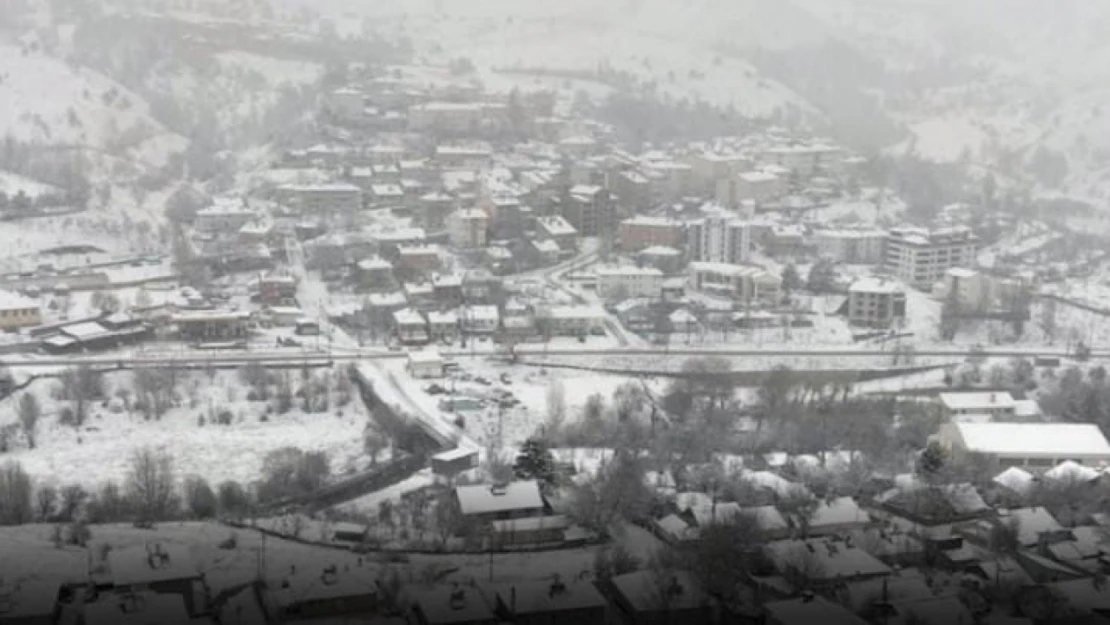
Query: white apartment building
x,y
467,228
744,283
721,238
629,282
876,303
854,247
921,257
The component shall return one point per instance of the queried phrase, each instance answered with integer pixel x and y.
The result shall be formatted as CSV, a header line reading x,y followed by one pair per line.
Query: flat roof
x,y
977,400
1063,440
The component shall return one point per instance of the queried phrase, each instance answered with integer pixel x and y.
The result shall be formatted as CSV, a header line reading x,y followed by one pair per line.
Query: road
x,y
357,354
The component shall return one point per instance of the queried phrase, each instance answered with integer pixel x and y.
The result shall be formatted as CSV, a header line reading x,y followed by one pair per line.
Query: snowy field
x,y
13,184
101,449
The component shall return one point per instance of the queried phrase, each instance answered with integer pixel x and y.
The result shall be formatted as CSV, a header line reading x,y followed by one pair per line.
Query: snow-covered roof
x,y
1016,479
726,269
1072,471
1060,440
585,190
485,499
374,263
425,357
756,177
985,401
448,317
647,220
831,559
10,300
446,280
582,311
1032,522
660,250
387,190
876,285
408,316
556,225
400,234
628,271
136,565
839,511
85,330
481,313
546,246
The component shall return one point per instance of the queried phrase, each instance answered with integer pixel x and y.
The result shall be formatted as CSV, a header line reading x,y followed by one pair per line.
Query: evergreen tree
x,y
932,460
535,462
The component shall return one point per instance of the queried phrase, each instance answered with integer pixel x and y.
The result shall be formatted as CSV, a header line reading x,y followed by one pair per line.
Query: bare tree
x,y
29,413
617,492
16,507
150,485
155,388
81,385
556,405
373,442
45,500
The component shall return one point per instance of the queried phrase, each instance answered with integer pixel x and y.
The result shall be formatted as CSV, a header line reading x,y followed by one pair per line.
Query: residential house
x,y
333,593
434,208
836,517
136,608
657,598
808,609
824,563
755,186
159,569
451,605
554,603
30,602
443,325
328,201
483,503
479,319
410,326
479,286
571,320
277,289
17,311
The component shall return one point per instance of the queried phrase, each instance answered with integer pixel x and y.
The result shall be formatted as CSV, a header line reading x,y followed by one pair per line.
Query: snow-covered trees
x,y
80,385
200,500
16,507
535,462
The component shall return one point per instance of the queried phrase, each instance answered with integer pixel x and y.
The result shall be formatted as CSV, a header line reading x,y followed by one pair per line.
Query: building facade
x,y
467,228
854,247
921,257
876,303
641,232
720,239
629,282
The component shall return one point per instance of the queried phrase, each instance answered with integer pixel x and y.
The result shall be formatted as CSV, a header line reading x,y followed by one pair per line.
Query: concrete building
x,y
969,288
641,232
454,605
558,229
1038,446
739,282
453,117
554,603
629,282
721,238
876,303
591,209
224,216
467,228
322,200
921,257
749,186
637,598
804,159
854,247
17,311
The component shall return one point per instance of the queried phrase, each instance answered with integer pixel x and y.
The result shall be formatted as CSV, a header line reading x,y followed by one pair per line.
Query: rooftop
x,y
1058,440
487,499
876,285
977,400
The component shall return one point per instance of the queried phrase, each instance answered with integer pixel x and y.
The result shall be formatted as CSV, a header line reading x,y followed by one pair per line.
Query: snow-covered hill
x,y
46,101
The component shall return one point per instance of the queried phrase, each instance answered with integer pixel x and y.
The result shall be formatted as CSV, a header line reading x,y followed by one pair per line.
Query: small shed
x,y
425,364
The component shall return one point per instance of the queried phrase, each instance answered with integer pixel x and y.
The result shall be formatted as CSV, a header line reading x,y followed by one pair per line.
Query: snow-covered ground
x,y
14,184
101,450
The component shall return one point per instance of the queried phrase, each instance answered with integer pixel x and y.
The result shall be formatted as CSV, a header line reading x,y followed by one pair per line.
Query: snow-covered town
x,y
418,313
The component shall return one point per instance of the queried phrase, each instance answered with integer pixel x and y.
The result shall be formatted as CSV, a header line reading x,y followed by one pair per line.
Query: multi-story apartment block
x,y
876,303
855,247
629,282
921,257
721,238
642,232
